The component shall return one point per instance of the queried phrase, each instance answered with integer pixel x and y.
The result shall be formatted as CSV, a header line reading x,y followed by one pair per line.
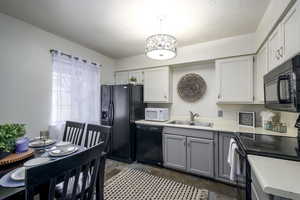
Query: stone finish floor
x,y
218,191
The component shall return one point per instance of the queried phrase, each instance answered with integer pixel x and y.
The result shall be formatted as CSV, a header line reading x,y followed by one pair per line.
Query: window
x,y
75,90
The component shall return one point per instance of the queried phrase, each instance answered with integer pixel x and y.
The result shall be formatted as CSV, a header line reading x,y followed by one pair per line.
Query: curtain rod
x,y
70,56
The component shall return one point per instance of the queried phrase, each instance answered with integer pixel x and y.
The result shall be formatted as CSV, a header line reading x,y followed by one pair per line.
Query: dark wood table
x,y
7,193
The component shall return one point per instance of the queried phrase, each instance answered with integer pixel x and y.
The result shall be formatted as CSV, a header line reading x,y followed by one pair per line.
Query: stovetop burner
x,y
271,146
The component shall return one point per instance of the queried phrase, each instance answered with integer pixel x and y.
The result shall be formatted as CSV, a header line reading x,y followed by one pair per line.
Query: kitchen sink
x,y
190,123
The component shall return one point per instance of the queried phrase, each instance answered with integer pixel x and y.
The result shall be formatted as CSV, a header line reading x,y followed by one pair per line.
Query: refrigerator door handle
x,y
112,113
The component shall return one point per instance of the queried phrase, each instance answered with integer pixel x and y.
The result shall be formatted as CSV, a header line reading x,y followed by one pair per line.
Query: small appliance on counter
x,y
157,114
246,119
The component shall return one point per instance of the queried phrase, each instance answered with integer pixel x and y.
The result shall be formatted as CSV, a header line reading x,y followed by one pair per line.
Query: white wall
x,y
227,47
25,71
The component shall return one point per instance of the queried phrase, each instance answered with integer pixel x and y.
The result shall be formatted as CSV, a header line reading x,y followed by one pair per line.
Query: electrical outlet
x,y
220,113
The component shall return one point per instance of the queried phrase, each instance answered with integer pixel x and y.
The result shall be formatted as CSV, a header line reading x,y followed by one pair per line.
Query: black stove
x,y
267,145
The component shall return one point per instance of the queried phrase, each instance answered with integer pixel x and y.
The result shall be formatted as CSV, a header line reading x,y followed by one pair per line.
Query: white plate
x,y
41,143
63,151
60,144
19,174
36,161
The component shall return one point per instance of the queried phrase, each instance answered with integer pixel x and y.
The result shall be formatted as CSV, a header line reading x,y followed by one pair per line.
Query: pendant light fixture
x,y
161,46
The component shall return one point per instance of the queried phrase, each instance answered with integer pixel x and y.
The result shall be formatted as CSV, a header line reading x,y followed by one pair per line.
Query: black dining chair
x,y
94,135
81,169
74,132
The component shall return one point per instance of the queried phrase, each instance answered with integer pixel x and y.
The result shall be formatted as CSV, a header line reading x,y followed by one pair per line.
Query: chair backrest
x,y
73,132
83,166
96,134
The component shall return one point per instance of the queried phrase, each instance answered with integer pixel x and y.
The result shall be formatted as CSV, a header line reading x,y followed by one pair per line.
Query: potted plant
x,y
133,80
8,136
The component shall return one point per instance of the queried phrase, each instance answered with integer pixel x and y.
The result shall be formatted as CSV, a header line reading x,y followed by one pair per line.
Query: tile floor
x,y
218,191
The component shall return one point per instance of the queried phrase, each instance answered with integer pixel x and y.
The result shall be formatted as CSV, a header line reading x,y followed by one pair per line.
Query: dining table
x,y
15,193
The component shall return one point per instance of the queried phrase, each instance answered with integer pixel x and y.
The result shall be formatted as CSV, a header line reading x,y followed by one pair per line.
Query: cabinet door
x,y
260,69
174,151
235,80
224,167
291,32
275,48
200,156
157,85
139,75
121,77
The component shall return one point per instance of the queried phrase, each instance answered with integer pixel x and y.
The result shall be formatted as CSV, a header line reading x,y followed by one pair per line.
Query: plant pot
x,y
3,154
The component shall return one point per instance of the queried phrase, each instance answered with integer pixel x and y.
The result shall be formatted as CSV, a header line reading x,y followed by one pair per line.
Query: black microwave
x,y
282,86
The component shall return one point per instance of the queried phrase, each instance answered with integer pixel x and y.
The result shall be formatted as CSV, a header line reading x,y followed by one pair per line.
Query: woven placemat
x,y
15,157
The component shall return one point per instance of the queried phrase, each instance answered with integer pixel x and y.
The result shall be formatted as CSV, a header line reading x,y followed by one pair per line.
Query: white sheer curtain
x,y
75,91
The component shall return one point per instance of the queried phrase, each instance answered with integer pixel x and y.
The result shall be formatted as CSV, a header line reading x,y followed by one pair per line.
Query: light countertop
x,y
223,126
277,176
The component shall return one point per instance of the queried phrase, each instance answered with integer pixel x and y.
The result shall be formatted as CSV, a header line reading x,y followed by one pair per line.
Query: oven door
x,y
278,93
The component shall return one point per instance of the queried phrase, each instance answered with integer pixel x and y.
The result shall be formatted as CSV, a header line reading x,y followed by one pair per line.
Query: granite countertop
x,y
277,176
223,126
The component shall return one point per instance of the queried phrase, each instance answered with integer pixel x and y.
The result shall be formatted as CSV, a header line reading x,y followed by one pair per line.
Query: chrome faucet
x,y
193,116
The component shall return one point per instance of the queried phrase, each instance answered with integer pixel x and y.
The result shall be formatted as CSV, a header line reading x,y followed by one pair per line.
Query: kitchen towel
x,y
233,160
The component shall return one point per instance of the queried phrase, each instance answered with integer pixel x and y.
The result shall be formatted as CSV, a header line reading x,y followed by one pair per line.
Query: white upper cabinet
x,y
235,80
260,69
138,75
291,32
275,48
284,42
122,77
157,85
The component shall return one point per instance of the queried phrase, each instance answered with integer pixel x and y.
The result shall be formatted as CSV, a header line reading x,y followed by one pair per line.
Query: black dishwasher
x,y
149,144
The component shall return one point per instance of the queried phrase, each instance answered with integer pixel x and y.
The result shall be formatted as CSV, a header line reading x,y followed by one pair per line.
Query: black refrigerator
x,y
121,105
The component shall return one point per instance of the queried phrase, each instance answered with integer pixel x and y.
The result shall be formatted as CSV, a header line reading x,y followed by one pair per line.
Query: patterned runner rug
x,y
138,184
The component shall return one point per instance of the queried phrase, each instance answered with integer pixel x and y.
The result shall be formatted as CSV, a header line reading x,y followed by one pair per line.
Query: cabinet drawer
x,y
189,132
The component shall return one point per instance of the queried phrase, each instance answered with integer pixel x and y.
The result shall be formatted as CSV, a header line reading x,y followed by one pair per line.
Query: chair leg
x,y
100,180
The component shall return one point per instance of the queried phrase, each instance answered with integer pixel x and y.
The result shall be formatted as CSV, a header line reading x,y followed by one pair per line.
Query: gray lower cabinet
x,y
223,168
174,147
200,157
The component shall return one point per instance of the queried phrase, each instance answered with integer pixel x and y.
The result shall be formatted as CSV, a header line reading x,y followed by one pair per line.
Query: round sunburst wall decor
x,y
191,87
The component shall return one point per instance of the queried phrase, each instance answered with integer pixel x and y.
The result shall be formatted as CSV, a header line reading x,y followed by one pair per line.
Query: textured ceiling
x,y
118,28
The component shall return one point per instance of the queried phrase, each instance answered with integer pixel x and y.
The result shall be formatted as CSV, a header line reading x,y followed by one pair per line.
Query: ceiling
x,y
118,28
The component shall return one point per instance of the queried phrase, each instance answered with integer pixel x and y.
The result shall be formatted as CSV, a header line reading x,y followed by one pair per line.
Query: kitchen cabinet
x,y
235,80
275,43
157,85
257,192
223,169
174,151
122,77
138,75
260,69
290,32
200,158
189,150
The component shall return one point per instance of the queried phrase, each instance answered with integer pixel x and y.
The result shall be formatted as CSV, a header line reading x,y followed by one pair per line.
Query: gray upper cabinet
x,y
224,167
174,151
200,158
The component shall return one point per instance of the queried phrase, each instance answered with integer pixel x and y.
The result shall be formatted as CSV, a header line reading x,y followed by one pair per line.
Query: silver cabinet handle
x,y
184,143
281,52
189,144
277,54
